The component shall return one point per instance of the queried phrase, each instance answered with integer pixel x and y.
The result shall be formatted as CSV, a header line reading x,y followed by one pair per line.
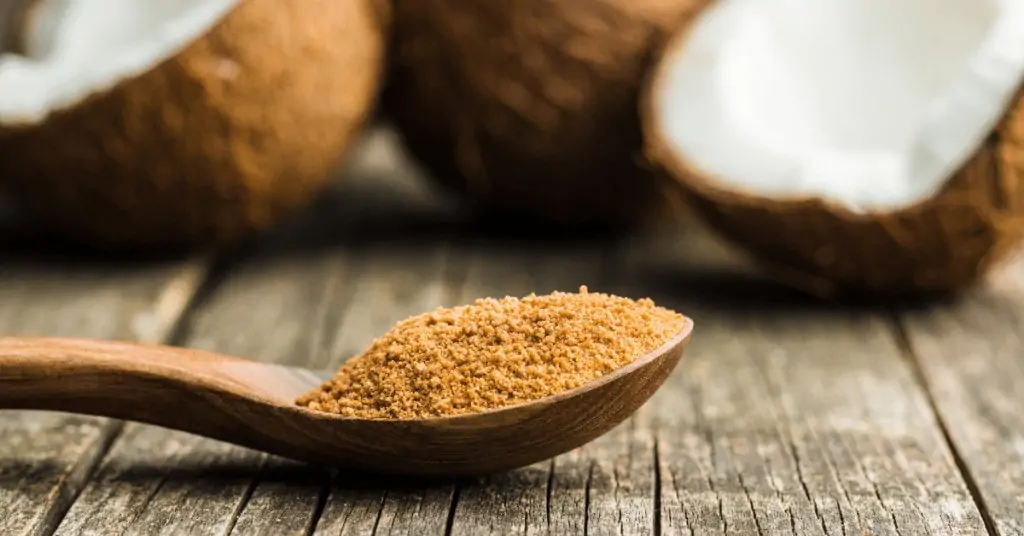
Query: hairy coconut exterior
x,y
529,108
939,246
242,127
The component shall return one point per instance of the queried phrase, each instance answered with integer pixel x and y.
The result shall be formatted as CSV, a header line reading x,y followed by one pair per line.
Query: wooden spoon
x,y
253,404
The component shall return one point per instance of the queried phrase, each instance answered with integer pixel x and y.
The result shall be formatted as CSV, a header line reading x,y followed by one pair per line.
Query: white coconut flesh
x,y
869,104
72,49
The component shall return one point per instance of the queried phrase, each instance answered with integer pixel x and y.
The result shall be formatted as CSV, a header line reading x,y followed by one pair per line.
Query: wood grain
x,y
291,299
393,284
790,416
155,480
46,458
606,485
969,354
785,417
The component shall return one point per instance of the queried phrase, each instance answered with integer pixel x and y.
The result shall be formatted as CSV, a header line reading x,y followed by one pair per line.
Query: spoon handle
x,y
149,383
217,396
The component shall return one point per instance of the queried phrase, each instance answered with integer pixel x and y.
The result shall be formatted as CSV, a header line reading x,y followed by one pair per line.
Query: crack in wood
x,y
586,509
71,485
449,522
657,485
243,501
77,298
750,503
907,351
380,512
547,494
321,502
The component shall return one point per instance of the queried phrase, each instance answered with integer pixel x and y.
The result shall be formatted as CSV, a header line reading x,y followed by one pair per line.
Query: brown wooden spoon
x,y
252,404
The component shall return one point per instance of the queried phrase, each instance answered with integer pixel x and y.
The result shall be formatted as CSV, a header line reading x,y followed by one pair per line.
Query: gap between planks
x,y
907,350
968,355
147,481
159,325
113,315
727,434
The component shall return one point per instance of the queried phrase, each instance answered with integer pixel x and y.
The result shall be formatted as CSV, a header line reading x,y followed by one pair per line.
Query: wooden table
x,y
786,416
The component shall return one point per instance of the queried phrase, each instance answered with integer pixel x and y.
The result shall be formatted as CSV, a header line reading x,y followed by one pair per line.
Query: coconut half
x,y
182,122
851,145
528,109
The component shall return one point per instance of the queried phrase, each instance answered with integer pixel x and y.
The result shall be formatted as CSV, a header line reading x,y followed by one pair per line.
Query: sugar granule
x,y
494,353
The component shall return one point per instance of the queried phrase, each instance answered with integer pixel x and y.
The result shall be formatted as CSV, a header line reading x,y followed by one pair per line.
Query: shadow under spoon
x,y
252,404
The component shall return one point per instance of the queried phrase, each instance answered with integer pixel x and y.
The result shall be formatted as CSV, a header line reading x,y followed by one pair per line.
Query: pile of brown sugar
x,y
494,353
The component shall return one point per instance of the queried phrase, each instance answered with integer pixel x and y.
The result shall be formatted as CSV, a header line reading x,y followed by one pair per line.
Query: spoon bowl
x,y
252,404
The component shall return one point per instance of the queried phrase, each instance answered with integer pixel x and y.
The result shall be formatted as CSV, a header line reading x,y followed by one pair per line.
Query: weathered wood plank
x,y
388,282
395,271
970,356
394,283
310,295
605,487
159,481
46,458
783,418
527,500
791,417
397,252
513,502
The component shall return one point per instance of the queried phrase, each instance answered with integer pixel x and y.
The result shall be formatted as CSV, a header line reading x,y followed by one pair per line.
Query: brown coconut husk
x,y
236,131
941,245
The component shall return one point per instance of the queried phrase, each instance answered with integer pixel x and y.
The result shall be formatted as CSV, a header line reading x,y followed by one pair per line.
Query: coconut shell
x,y
12,16
939,246
239,129
529,108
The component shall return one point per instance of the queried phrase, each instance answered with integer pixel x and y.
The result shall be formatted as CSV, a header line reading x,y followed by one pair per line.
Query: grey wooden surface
x,y
785,417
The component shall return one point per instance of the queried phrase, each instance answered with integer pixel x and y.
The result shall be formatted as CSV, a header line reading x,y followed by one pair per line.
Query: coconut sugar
x,y
494,353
